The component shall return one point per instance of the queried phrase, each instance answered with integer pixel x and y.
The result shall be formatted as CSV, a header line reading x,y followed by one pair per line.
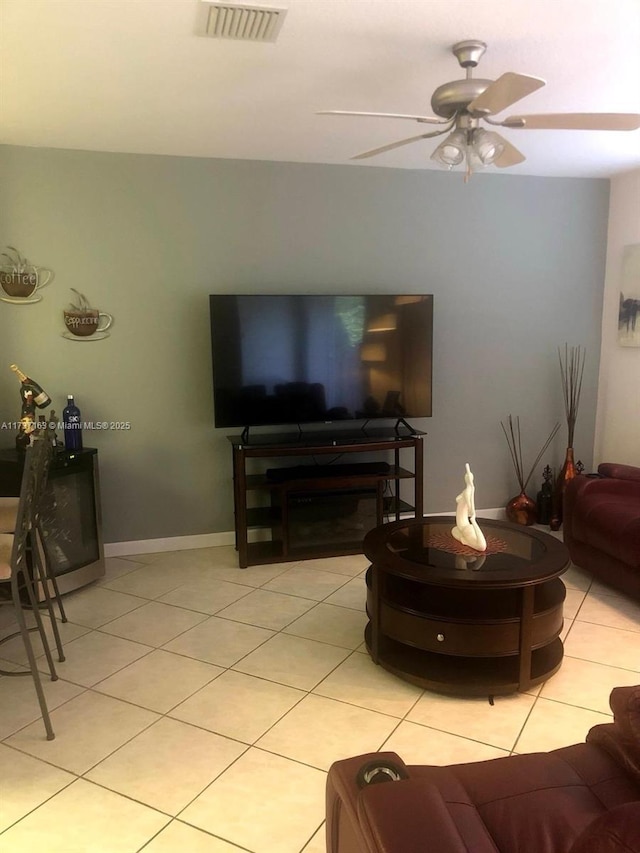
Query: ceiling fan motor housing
x,y
453,97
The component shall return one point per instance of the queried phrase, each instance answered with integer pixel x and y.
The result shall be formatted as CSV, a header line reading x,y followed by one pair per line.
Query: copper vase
x,y
567,473
522,510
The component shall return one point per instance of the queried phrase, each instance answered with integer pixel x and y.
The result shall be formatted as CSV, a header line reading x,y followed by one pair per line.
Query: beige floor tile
x,y
360,682
167,765
94,606
587,684
281,822
598,643
497,725
219,641
417,744
294,661
159,680
318,731
154,623
238,705
328,623
220,562
88,728
267,609
253,576
353,594
318,843
576,578
208,595
180,837
145,559
613,611
80,812
10,666
566,627
116,567
19,704
352,565
573,601
7,620
150,581
15,650
227,569
552,725
185,558
26,784
96,655
307,583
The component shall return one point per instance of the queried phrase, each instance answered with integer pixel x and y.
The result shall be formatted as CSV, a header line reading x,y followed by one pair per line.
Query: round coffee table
x,y
458,621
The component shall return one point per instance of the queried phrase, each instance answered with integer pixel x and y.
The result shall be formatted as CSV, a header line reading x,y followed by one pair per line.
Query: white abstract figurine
x,y
466,529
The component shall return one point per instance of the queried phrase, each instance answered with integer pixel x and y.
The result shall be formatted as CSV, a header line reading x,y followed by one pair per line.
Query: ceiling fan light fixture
x,y
451,151
487,146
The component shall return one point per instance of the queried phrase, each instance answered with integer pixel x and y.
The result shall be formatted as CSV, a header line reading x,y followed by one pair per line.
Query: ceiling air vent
x,y
246,23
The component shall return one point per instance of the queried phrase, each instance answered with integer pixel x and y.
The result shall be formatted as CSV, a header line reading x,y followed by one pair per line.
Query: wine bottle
x,y
29,386
72,421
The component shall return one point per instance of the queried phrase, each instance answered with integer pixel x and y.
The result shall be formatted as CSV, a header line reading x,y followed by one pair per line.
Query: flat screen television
x,y
302,359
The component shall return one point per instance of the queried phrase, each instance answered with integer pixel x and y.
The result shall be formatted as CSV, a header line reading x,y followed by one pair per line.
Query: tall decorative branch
x,y
571,373
514,442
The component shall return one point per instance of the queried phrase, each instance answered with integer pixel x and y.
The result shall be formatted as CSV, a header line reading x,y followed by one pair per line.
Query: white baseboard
x,y
213,540
175,543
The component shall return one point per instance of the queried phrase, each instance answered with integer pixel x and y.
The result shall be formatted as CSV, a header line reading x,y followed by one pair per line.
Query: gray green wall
x,y
516,265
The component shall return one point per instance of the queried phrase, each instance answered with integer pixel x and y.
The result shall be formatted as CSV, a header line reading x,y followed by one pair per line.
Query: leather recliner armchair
x,y
583,798
601,520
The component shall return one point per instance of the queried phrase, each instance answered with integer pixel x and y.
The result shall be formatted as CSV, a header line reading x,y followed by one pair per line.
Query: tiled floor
x,y
201,705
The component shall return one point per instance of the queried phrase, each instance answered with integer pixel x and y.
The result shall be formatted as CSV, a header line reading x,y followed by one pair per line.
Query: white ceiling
x,y
132,76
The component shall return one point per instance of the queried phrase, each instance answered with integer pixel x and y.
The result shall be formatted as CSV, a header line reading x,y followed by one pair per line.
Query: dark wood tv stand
x,y
324,502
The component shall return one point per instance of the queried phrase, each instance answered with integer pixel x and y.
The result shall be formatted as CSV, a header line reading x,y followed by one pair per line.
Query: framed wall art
x,y
629,311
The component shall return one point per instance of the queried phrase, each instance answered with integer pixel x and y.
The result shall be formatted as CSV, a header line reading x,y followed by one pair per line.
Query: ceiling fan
x,y
462,105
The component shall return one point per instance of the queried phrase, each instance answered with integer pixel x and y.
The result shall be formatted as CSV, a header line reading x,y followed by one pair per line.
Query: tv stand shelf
x,y
308,515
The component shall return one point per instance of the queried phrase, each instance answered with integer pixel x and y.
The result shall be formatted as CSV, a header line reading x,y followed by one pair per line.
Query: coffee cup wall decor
x,y
83,322
21,280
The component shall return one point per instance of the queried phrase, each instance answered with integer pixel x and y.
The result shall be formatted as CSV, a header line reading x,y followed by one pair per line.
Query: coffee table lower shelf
x,y
465,676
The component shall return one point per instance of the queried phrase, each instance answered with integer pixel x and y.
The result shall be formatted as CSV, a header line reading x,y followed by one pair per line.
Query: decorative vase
x,y
567,473
522,510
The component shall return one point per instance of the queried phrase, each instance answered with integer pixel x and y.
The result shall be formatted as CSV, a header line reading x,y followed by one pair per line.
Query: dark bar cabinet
x,y
72,519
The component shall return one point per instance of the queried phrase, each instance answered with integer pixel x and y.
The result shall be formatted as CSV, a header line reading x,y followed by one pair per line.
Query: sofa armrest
x,y
616,831
342,792
625,704
619,472
621,739
409,816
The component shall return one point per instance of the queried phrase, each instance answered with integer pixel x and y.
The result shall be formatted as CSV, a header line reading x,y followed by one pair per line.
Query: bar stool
x,y
18,579
8,516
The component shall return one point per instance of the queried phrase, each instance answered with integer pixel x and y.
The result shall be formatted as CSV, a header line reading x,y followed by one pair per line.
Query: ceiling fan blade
x,y
578,121
393,145
425,119
510,156
504,91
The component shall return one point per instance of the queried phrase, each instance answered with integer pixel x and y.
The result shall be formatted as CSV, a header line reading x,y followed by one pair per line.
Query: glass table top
x,y
427,547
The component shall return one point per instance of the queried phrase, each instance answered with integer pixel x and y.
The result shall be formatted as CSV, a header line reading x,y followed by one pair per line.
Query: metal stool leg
x,y
26,639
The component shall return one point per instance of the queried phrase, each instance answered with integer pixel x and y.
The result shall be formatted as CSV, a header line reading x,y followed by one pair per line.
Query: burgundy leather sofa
x,y
583,798
602,525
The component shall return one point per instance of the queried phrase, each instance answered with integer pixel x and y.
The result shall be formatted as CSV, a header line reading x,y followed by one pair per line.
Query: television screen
x,y
294,359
